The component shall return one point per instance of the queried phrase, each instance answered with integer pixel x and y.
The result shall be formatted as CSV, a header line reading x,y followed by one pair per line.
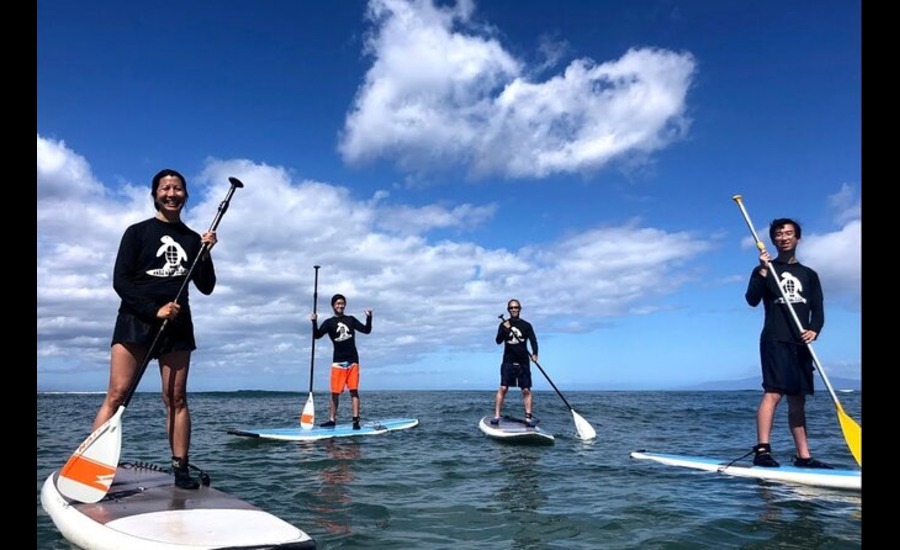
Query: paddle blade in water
x,y
585,430
88,474
852,434
308,416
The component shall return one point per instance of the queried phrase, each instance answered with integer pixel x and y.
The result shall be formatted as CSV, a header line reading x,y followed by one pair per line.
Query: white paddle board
x,y
297,433
817,477
144,510
514,430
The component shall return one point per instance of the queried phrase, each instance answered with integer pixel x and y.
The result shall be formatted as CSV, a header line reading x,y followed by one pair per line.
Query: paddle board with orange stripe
x,y
145,510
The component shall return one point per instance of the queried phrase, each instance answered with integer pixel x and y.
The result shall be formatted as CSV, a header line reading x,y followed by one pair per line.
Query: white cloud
x,y
427,296
443,90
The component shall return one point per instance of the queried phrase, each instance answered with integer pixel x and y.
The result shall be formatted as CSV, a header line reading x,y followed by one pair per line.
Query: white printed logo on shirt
x,y
792,288
174,256
343,332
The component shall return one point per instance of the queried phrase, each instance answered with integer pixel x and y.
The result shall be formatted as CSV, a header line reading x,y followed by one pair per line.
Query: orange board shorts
x,y
344,375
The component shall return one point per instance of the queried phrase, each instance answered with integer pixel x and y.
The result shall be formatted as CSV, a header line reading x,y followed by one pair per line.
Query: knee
x,y
115,398
177,401
354,393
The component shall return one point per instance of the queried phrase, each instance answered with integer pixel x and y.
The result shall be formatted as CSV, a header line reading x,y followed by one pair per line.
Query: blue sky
x,y
438,159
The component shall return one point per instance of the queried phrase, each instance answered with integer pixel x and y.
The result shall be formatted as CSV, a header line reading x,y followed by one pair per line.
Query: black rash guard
x,y
342,330
153,260
804,291
515,339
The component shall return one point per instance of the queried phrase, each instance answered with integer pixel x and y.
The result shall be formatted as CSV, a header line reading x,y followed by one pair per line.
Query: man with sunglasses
x,y
515,334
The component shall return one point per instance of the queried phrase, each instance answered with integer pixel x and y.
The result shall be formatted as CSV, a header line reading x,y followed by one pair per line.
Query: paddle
x,y
89,472
582,426
851,430
308,415
584,429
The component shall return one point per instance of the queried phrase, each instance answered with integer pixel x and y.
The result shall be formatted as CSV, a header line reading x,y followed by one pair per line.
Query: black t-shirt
x,y
515,340
342,331
153,260
804,291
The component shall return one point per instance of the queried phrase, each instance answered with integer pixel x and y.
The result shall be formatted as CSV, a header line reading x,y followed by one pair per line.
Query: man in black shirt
x,y
515,334
787,366
345,360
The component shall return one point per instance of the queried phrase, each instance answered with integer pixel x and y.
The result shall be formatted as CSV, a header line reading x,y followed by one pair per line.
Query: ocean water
x,y
444,484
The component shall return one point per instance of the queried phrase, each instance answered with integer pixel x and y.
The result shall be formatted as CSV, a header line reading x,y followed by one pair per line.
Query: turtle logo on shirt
x,y
792,288
343,332
174,256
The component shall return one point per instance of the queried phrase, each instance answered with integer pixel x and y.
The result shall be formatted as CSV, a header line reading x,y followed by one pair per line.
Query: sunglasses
x,y
513,307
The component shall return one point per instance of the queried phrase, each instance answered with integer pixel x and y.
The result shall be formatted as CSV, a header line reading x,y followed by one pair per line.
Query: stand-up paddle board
x,y
816,477
144,510
296,433
514,430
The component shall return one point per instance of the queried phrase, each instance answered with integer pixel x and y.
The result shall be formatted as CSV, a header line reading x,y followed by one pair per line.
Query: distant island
x,y
753,383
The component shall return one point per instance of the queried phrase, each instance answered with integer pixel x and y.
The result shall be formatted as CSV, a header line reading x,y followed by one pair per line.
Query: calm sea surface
x,y
443,484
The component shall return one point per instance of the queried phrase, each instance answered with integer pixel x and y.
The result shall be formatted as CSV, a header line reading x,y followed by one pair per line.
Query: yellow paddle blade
x,y
852,434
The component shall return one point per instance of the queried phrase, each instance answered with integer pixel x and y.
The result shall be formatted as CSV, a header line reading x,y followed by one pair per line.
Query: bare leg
x,y
354,403
765,416
173,369
123,364
333,406
527,398
498,400
797,423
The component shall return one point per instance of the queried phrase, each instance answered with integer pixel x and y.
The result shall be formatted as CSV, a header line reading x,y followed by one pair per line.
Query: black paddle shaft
x,y
552,384
223,207
312,355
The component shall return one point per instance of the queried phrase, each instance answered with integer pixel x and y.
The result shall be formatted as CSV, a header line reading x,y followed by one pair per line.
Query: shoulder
x,y
806,268
137,229
143,224
182,227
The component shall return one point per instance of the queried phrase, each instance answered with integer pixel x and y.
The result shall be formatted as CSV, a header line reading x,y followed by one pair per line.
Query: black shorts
x,y
515,375
787,368
177,336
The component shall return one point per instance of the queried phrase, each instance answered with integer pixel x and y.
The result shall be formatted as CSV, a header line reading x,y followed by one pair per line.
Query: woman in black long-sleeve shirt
x,y
154,257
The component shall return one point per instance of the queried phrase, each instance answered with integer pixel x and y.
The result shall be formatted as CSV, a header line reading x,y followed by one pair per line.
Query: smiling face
x,y
785,238
170,195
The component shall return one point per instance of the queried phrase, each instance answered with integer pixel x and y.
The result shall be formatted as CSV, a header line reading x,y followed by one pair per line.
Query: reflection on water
x,y
331,500
522,492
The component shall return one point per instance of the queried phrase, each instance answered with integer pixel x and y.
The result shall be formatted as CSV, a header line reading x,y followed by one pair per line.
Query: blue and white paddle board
x,y
514,430
816,477
296,433
144,510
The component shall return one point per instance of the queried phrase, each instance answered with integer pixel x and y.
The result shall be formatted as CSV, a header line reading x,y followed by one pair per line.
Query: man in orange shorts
x,y
342,330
